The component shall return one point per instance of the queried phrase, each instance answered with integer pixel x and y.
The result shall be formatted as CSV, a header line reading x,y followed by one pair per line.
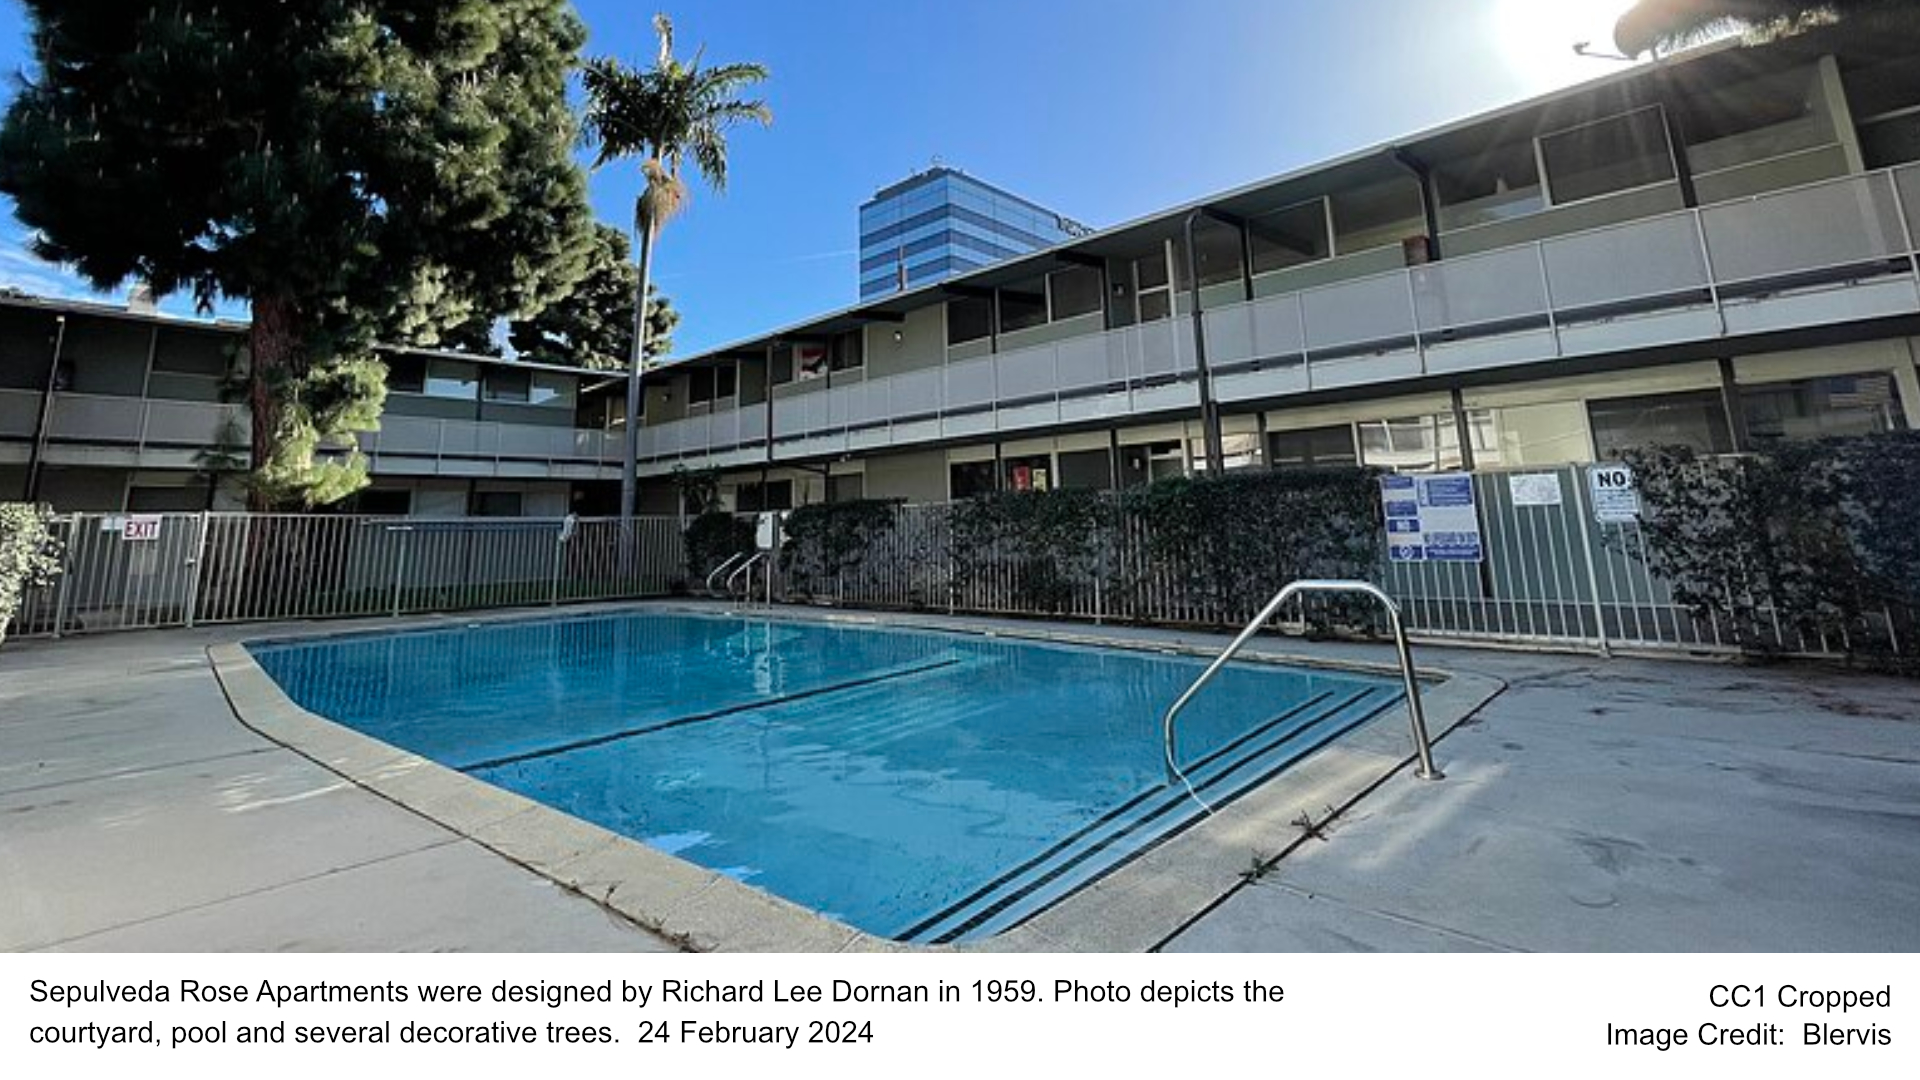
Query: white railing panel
x,y
1473,290
1827,225
753,423
89,416
1357,312
1081,362
1026,373
1907,182
969,384
916,393
1657,257
19,413
789,418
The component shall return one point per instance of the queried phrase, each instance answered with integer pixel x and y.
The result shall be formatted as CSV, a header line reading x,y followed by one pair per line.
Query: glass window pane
x,y
1075,292
1332,445
1494,184
1155,305
1216,252
1817,408
1022,308
1086,470
727,381
452,379
1150,271
1695,419
1034,473
406,374
967,479
1617,154
1289,237
969,319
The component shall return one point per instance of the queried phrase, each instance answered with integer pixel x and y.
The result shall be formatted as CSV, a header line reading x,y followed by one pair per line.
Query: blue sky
x,y
1103,110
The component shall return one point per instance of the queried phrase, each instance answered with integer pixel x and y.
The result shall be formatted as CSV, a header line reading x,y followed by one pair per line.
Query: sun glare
x,y
1537,36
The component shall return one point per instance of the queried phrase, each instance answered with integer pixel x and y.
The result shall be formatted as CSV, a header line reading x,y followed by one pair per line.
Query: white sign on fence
x,y
1535,489
1431,518
140,527
1615,499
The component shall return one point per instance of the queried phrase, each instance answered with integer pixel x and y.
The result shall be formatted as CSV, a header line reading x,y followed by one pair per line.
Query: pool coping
x,y
1133,908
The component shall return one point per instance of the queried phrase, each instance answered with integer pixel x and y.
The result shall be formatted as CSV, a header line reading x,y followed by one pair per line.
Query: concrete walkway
x,y
137,815
1595,805
1623,806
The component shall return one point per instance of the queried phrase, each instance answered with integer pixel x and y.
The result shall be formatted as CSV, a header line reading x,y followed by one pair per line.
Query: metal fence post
x,y
405,535
1586,549
66,575
198,562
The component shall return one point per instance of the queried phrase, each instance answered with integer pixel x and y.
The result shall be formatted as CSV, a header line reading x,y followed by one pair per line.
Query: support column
x,y
43,427
1209,411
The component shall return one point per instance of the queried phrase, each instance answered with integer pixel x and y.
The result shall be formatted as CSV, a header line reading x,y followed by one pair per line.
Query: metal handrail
x,y
1415,714
721,569
746,568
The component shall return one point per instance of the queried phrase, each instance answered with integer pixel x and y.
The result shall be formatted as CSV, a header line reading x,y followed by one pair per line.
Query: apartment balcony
x,y
105,430
417,446
1834,252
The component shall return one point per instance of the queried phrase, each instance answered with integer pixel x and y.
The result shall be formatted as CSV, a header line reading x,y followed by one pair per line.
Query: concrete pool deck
x,y
1619,805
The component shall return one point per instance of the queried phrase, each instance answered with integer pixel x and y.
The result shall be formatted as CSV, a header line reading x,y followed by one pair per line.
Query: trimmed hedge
x,y
1821,535
30,556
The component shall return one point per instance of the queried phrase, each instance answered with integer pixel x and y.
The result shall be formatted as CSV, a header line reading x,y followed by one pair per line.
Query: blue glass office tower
x,y
943,222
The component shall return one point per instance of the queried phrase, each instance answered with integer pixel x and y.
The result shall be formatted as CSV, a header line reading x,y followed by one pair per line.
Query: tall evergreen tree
x,y
353,169
592,326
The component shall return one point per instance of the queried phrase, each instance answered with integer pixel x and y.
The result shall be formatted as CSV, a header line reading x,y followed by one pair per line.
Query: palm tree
x,y
1665,25
664,115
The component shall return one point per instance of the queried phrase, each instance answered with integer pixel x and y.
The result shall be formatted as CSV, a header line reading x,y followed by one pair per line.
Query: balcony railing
x,y
131,422
1749,265
428,437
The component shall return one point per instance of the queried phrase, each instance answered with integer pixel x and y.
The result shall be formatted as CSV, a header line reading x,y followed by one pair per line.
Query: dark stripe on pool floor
x,y
1179,825
1075,836
701,718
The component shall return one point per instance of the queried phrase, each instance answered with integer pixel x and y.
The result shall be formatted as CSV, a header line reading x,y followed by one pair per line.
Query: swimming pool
x,y
922,786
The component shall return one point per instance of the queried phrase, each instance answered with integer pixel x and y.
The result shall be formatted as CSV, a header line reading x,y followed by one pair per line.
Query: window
x,y
782,372
1289,237
1696,419
191,354
1817,408
1495,184
1023,307
699,386
1216,252
383,502
850,488
757,498
1380,215
1309,447
1075,292
1426,443
969,319
1617,154
502,504
967,479
1894,141
406,374
552,389
848,352
1086,470
452,379
726,381
1032,473
166,500
1236,452
504,385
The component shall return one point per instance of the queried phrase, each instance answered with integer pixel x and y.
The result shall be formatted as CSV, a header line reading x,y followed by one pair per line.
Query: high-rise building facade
x,y
943,222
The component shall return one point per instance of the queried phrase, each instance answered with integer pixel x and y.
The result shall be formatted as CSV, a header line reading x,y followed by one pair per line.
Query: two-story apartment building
x,y
1717,249
121,409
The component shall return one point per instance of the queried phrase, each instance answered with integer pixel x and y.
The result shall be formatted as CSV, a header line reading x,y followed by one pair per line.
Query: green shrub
x,y
30,556
1045,546
823,541
711,538
1818,536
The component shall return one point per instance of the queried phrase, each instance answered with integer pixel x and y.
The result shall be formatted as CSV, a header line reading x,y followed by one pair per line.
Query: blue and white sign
x,y
1431,518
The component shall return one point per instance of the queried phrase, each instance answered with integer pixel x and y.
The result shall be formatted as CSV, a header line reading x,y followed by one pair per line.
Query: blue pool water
x,y
918,785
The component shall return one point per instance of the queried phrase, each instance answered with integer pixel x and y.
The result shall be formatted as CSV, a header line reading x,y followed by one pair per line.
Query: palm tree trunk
x,y
636,360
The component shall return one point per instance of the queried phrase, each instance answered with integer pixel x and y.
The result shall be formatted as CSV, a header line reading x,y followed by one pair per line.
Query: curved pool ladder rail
x,y
1416,716
747,569
714,590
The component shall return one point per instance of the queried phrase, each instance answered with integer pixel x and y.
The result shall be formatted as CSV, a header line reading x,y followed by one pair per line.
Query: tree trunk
x,y
636,360
274,342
